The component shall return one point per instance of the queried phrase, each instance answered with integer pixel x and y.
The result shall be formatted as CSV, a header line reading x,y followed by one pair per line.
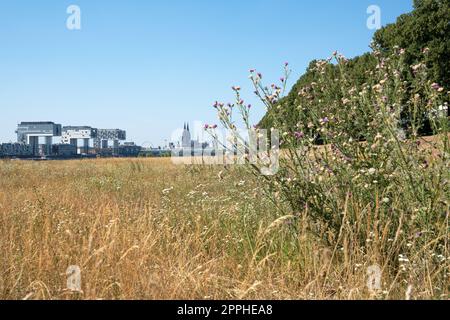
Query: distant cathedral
x,y
187,142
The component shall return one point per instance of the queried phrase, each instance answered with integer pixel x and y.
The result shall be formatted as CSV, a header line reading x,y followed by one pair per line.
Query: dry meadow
x,y
147,229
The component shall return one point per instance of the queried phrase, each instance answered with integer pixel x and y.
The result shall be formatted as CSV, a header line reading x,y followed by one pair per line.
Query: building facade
x,y
71,135
30,132
15,150
104,136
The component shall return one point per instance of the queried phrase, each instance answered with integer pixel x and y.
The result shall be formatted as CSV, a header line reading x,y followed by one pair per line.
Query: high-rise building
x,y
30,132
106,135
71,135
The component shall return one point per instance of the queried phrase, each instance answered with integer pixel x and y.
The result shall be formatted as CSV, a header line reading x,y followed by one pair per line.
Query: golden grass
x,y
147,229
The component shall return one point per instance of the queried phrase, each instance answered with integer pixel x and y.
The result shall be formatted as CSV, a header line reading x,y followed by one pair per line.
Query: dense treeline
x,y
427,26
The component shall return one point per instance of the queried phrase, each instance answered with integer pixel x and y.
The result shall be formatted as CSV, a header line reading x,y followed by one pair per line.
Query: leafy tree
x,y
426,27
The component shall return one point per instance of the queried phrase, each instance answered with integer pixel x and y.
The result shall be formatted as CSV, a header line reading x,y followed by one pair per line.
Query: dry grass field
x,y
147,229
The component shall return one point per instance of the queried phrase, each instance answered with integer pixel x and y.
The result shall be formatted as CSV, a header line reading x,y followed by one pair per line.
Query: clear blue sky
x,y
147,66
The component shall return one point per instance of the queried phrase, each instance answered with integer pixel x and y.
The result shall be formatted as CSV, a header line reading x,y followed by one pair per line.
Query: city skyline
x,y
149,67
177,137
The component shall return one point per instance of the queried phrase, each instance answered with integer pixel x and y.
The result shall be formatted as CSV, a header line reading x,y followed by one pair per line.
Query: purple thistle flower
x,y
435,86
299,135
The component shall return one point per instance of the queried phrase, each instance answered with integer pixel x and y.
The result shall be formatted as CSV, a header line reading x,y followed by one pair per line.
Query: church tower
x,y
186,139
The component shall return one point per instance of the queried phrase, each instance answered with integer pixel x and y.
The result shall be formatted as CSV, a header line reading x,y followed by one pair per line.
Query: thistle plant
x,y
359,164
